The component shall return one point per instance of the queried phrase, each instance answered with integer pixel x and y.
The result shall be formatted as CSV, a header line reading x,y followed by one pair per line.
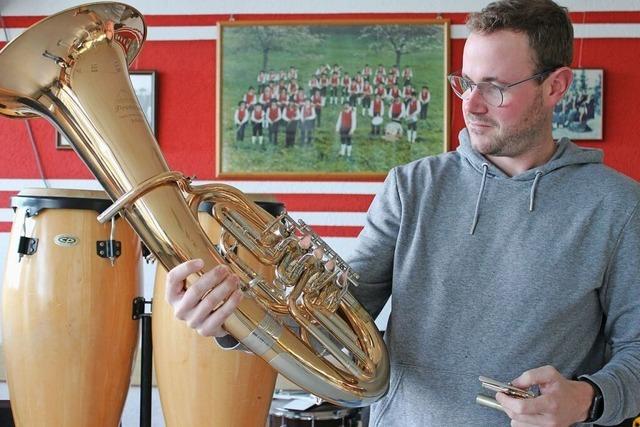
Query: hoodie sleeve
x,y
619,379
374,253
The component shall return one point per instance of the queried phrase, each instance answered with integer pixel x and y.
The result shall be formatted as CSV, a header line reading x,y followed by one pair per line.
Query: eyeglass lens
x,y
489,92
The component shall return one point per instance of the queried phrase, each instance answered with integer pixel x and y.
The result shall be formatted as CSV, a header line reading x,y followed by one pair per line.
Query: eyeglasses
x,y
490,92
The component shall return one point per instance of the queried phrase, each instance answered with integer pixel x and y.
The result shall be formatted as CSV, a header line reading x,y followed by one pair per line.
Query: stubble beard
x,y
514,141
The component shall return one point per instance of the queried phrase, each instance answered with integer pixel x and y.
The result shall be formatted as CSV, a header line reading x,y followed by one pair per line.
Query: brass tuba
x,y
71,68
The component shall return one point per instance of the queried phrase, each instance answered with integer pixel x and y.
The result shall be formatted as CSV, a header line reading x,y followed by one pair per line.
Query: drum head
x,y
36,199
377,121
393,129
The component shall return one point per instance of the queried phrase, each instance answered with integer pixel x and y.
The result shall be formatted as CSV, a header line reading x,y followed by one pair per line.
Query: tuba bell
x,y
71,68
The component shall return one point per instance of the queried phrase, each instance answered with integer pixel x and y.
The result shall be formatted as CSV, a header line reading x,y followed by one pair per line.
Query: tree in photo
x,y
402,39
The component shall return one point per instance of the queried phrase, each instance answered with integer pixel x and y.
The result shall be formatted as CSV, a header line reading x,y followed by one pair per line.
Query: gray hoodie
x,y
494,275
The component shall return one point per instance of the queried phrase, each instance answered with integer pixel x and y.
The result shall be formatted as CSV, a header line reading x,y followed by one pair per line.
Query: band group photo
x,y
281,107
345,112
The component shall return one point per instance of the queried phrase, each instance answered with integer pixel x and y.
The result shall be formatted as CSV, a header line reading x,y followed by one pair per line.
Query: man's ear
x,y
557,84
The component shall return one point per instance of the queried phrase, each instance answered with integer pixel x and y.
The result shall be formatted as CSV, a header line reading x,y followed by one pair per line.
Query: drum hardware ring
x,y
26,245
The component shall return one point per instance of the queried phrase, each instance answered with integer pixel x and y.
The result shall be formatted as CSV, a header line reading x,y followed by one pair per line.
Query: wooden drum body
x,y
201,384
69,336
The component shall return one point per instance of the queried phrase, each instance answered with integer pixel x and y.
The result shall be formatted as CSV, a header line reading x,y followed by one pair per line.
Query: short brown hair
x,y
546,24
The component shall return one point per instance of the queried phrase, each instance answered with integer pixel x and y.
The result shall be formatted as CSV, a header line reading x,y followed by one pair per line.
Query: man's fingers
x,y
305,242
176,277
318,253
330,265
212,325
541,375
198,289
542,404
212,300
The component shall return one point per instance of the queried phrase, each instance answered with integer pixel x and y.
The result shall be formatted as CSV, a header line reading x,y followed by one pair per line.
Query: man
x,y
240,120
262,80
367,92
318,102
334,89
257,124
515,257
406,93
393,93
293,86
291,116
376,110
345,126
354,93
283,97
345,83
407,75
307,122
299,98
265,97
274,115
397,110
424,98
250,98
413,112
324,84
314,84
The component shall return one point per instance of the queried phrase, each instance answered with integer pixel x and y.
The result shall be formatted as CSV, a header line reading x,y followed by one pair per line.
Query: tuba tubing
x,y
71,68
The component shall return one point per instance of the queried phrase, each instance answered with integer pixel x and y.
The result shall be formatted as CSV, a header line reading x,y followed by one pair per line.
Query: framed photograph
x,y
347,99
144,85
578,115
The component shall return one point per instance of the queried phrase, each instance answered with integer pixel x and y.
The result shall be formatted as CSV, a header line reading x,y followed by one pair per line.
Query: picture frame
x,y
579,114
144,85
271,61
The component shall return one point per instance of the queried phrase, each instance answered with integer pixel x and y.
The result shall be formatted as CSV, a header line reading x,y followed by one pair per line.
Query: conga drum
x,y
201,384
69,337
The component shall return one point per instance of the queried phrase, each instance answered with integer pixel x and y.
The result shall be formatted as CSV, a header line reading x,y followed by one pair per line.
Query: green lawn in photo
x,y
306,47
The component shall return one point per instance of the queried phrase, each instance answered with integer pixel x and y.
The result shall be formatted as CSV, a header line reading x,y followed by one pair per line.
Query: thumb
x,y
540,376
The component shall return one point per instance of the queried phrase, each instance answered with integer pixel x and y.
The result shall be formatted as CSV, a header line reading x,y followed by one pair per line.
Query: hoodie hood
x,y
567,153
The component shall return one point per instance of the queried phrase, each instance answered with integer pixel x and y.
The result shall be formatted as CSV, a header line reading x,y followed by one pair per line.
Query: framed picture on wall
x,y
578,115
330,99
144,85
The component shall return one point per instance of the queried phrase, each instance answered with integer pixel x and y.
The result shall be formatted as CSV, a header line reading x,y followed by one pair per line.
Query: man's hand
x,y
203,304
562,402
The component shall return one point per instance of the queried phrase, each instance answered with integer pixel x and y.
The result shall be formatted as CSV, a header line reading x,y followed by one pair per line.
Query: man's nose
x,y
475,103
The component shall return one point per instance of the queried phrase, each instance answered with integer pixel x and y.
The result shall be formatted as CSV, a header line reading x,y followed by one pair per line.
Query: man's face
x,y
503,57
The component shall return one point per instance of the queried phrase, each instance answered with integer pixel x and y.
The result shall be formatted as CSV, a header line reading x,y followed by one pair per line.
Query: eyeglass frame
x,y
501,89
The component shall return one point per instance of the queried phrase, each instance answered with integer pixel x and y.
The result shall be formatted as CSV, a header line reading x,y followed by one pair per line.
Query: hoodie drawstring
x,y
533,190
485,169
